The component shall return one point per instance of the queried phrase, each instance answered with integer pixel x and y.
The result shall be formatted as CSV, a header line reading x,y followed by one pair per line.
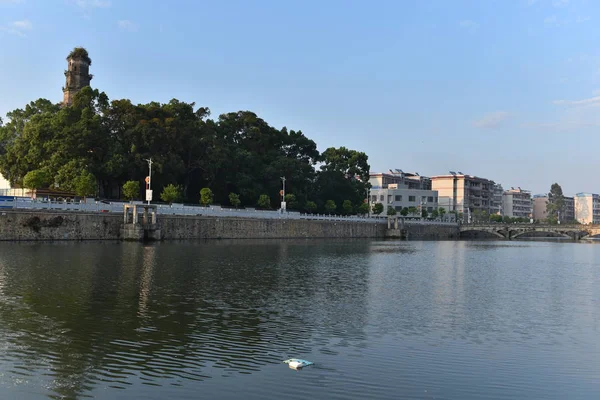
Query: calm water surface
x,y
381,320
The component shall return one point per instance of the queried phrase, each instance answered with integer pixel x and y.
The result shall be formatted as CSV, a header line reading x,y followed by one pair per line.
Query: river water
x,y
381,320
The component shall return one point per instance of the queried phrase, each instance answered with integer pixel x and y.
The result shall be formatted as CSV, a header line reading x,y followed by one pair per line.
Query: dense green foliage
x,y
85,184
37,179
377,208
206,196
236,153
330,206
556,203
363,208
131,190
234,199
171,193
264,202
391,211
80,52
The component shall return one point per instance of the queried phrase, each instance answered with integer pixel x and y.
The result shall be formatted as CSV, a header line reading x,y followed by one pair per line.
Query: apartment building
x,y
464,193
397,198
587,208
517,203
402,180
496,206
398,189
540,204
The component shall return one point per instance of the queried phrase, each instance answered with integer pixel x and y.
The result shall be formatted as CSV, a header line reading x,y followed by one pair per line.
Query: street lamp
x,y
149,190
283,194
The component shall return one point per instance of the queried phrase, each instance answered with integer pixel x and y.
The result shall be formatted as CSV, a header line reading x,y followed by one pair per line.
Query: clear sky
x,y
507,89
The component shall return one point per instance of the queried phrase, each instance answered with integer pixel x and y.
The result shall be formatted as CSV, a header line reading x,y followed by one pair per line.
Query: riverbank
x,y
17,225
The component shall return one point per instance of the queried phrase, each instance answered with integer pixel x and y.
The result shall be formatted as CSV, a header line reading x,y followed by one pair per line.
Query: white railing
x,y
20,203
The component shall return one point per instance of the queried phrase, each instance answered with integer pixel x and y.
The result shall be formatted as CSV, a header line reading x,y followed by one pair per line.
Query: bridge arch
x,y
518,233
493,232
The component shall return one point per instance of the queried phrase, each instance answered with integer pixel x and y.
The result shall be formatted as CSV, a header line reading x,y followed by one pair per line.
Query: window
x,y
381,197
398,197
411,199
390,198
398,208
423,198
435,199
374,199
429,209
430,199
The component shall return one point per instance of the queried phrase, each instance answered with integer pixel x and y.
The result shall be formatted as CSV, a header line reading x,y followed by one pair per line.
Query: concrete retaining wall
x,y
48,225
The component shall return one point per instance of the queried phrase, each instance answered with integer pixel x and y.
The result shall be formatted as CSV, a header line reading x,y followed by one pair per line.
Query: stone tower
x,y
78,73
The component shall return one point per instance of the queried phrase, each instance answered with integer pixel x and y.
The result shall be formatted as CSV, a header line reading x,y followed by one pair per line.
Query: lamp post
x,y
149,191
283,194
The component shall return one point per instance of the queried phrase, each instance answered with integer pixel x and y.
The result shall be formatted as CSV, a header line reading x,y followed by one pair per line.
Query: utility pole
x,y
149,191
283,205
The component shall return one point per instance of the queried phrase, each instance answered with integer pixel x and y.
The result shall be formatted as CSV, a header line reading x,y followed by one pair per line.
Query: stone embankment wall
x,y
48,225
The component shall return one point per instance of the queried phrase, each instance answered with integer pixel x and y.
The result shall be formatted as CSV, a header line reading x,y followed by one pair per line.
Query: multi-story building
x,y
403,180
540,206
398,189
587,208
405,198
516,203
464,193
496,206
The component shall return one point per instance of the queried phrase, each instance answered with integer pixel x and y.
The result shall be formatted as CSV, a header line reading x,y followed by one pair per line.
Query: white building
x,y
587,208
517,203
398,189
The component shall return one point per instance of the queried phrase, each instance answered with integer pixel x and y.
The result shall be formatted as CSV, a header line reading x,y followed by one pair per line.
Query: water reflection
x,y
91,319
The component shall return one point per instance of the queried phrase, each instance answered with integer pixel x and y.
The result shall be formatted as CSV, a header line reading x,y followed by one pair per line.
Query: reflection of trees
x,y
117,314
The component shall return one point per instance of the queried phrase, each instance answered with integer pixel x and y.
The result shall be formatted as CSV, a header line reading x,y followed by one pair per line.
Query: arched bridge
x,y
514,231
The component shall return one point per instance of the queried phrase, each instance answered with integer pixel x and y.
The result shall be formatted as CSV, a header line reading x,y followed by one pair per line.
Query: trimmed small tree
x,y
330,206
377,208
435,214
442,212
391,211
264,202
363,208
290,201
131,190
311,207
170,193
347,207
85,184
424,213
412,210
234,199
206,196
37,179
404,212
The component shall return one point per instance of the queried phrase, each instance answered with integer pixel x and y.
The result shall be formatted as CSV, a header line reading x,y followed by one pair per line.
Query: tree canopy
x,y
236,153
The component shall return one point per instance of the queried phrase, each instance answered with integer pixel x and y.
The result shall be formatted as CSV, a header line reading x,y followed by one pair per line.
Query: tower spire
x,y
77,74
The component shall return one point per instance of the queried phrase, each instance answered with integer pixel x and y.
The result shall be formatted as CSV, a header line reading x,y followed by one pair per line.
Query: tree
x,y
391,211
170,193
496,218
37,179
442,212
424,213
435,214
131,190
234,199
377,208
556,202
86,184
404,211
347,207
330,206
290,201
310,206
206,196
264,202
412,210
363,208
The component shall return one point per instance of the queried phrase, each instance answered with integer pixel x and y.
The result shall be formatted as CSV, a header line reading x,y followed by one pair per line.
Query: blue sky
x,y
506,89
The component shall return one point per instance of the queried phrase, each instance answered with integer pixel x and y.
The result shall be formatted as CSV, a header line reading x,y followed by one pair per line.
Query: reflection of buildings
x,y
587,208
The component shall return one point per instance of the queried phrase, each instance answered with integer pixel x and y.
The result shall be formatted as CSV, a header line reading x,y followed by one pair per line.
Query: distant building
x,y
496,206
405,198
587,208
398,190
77,74
403,180
464,193
4,184
540,204
516,203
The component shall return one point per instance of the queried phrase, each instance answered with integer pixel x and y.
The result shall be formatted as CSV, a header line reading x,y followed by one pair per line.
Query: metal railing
x,y
21,203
